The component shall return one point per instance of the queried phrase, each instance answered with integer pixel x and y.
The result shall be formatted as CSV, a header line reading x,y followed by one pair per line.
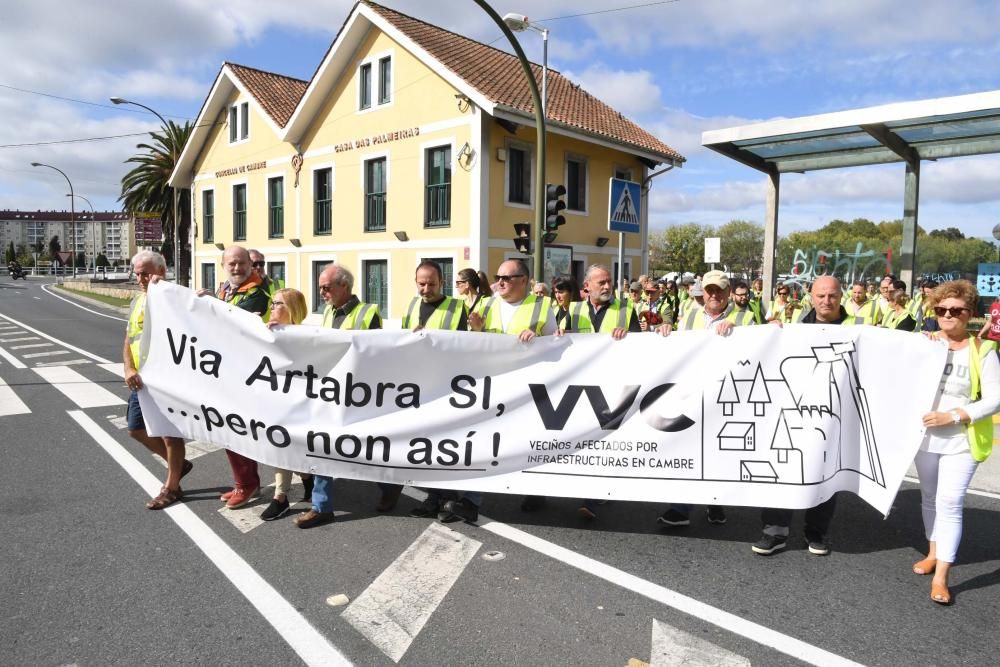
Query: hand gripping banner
x,y
766,417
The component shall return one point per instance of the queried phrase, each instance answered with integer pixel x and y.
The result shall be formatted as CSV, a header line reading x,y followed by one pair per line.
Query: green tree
x,y
101,260
950,234
742,246
679,248
54,247
81,260
145,189
10,254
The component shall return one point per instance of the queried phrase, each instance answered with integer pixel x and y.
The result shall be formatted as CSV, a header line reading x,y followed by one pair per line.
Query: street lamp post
x,y
72,211
520,23
173,192
93,220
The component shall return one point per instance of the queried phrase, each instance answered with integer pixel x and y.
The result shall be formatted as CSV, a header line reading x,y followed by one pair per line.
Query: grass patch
x,y
110,300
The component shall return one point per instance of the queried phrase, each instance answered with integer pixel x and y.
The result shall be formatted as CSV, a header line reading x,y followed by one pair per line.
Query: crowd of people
x,y
959,430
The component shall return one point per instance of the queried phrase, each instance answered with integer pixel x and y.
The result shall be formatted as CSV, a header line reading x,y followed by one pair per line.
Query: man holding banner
x,y
826,294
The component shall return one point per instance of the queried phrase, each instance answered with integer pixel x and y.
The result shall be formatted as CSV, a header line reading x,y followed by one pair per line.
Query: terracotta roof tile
x,y
497,75
278,95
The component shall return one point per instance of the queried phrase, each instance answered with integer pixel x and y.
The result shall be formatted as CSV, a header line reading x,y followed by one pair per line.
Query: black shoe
x,y
768,544
818,546
458,510
716,515
276,510
586,513
307,488
389,498
425,510
532,503
674,519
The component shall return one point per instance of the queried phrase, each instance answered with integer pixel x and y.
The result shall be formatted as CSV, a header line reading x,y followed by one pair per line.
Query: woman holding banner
x,y
474,287
288,306
959,430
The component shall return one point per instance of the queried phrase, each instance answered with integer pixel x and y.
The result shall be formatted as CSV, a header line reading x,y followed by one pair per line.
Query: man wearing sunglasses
x,y
826,294
259,265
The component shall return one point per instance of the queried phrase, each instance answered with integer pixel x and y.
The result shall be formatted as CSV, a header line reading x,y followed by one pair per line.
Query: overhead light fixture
x,y
220,246
465,152
295,242
464,102
401,236
602,241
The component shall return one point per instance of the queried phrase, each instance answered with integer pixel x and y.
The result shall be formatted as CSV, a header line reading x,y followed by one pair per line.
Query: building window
x,y
377,284
323,206
208,276
233,125
240,212
385,80
623,174
276,270
208,216
576,184
447,274
275,207
437,200
365,86
317,301
375,195
239,122
244,120
518,175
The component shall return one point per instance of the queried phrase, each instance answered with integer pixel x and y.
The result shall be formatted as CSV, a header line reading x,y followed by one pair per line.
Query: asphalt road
x,y
89,576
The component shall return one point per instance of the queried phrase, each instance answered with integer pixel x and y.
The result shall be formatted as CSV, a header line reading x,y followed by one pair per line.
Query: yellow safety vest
x,y
578,320
532,314
135,322
360,317
979,433
443,317
868,313
696,318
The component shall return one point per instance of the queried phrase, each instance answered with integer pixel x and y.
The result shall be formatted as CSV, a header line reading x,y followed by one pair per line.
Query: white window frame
x,y
284,202
359,275
215,214
240,129
576,157
314,286
376,80
232,210
312,191
529,149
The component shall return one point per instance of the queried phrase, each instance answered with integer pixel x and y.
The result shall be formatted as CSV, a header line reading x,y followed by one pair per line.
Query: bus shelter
x,y
907,132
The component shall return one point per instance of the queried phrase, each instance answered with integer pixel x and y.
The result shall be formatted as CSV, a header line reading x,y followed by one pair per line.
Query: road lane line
x,y
706,612
672,646
50,353
10,403
75,304
11,359
975,492
94,357
312,647
391,612
25,347
75,387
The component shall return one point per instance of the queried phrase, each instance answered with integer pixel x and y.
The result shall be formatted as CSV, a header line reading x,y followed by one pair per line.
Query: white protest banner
x,y
766,417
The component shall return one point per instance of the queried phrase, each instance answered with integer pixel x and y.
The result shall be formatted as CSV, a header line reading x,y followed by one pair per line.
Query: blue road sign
x,y
624,207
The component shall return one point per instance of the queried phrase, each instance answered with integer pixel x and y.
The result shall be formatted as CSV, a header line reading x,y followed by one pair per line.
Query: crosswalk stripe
x,y
26,347
65,362
118,369
50,353
94,357
77,388
672,646
10,404
18,340
396,606
11,359
246,518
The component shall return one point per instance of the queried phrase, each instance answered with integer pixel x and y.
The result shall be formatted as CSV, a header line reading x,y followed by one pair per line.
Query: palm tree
x,y
145,189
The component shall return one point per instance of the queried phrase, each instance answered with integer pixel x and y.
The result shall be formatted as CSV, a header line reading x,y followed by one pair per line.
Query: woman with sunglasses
x,y
287,307
779,304
959,430
474,287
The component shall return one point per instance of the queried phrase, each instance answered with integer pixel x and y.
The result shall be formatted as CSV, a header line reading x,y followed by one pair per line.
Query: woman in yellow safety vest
x,y
474,287
899,316
778,304
959,432
564,292
288,306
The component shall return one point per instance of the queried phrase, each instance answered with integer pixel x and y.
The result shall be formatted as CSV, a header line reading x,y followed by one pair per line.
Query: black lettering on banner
x,y
660,423
207,361
457,383
276,434
555,419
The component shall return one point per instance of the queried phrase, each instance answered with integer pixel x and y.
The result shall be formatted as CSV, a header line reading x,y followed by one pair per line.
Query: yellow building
x,y
409,143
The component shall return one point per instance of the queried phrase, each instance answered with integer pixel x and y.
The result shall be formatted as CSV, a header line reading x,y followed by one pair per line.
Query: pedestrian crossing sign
x,y
624,206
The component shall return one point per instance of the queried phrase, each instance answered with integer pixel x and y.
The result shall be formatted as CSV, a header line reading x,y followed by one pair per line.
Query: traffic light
x,y
522,240
554,205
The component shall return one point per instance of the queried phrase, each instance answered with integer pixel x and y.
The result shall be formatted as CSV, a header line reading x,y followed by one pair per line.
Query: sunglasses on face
x,y
782,293
461,282
507,279
258,265
950,312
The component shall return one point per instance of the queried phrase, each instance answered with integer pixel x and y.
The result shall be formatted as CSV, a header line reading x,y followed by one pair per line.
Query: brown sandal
x,y
925,566
940,594
165,499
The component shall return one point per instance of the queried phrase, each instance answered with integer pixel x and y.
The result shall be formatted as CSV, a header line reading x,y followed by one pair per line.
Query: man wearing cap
x,y
720,315
696,299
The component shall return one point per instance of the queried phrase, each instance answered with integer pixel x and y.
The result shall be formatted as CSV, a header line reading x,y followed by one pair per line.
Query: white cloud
x,y
630,92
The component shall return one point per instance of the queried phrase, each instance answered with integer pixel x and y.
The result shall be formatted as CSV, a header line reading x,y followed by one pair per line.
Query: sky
x,y
677,68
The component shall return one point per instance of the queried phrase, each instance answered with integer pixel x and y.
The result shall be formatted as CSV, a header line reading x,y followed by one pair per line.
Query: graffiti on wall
x,y
861,264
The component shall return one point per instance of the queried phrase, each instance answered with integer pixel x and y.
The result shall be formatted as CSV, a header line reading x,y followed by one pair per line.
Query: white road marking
x,y
10,403
672,646
312,647
37,297
975,492
94,357
118,369
75,387
11,359
723,619
75,304
120,423
247,518
17,340
26,347
65,362
50,353
394,608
